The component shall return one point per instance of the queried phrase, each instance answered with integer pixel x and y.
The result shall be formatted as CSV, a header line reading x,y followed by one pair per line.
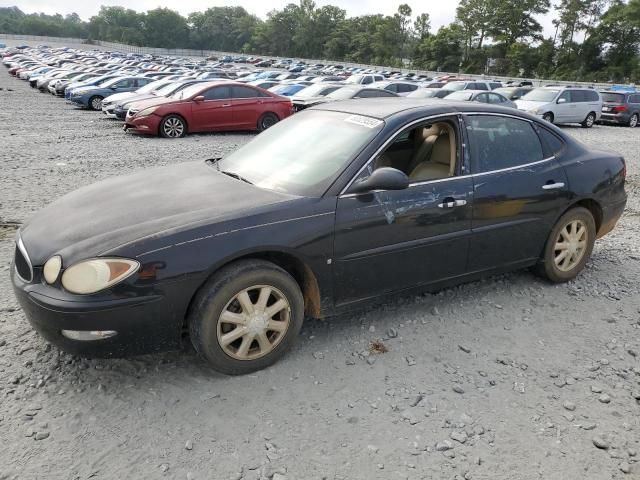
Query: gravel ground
x,y
509,377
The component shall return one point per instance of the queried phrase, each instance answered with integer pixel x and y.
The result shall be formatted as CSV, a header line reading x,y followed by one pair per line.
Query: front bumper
x,y
147,125
144,324
81,101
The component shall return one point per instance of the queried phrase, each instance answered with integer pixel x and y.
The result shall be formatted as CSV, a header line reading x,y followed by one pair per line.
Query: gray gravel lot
x,y
506,378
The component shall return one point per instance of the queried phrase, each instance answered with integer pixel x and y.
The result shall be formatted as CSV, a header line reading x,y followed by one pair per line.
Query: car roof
x,y
386,107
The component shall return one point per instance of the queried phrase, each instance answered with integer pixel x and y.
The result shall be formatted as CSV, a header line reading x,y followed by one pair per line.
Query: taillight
x,y
619,109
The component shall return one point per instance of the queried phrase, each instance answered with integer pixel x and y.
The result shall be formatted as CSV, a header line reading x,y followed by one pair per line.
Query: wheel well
x,y
591,205
301,273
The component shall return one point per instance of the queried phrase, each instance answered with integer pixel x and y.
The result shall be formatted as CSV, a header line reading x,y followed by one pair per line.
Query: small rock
x,y
604,398
460,437
625,467
636,394
371,360
632,352
588,426
41,435
464,348
164,467
596,388
601,443
410,361
278,476
444,446
569,406
372,328
435,311
318,355
392,333
188,445
458,389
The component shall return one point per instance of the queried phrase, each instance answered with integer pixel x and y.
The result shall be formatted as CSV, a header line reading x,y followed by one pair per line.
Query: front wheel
x,y
548,117
246,317
267,120
95,103
633,121
589,121
569,246
173,126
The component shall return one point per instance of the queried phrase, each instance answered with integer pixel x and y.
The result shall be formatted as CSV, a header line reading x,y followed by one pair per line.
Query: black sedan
x,y
328,210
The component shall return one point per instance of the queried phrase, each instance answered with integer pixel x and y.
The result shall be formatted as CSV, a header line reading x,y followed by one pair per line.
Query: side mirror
x,y
562,100
385,178
199,98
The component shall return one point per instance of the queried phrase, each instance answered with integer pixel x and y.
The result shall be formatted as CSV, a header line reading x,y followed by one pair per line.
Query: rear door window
x,y
501,142
481,86
244,92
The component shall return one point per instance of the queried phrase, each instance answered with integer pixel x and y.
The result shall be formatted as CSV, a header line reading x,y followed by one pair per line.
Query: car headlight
x,y
93,275
52,269
145,111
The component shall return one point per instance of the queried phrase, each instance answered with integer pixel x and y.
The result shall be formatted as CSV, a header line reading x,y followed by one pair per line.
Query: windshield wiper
x,y
234,175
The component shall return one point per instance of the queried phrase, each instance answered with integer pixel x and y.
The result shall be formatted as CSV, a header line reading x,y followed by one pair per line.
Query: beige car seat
x,y
442,161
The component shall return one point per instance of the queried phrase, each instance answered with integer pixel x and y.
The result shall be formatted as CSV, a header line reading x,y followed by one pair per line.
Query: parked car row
x,y
171,97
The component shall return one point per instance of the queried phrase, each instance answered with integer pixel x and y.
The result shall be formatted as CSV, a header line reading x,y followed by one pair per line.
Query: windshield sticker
x,y
363,121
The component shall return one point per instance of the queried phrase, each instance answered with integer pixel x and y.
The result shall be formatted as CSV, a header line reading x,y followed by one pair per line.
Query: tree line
x,y
593,40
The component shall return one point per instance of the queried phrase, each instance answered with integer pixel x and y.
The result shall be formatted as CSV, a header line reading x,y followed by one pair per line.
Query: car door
x,y
388,241
565,107
519,189
213,111
248,105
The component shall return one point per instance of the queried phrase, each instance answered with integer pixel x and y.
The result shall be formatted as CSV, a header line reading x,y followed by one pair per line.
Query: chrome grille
x,y
22,263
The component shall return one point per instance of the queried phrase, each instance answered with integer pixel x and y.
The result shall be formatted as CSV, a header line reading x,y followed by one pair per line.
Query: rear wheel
x,y
246,317
267,120
569,246
95,102
633,121
548,117
589,121
173,126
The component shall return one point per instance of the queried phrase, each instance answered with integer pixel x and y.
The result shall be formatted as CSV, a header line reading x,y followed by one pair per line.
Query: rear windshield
x,y
461,95
613,97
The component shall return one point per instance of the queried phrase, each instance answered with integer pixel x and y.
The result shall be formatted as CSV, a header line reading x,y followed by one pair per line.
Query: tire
x,y
95,102
173,126
548,117
218,298
633,121
267,120
589,121
548,266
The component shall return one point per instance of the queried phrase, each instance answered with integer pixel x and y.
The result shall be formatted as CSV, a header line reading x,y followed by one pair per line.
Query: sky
x,y
441,12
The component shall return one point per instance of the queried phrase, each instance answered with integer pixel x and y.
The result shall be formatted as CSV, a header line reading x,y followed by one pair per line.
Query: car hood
x,y
100,218
118,96
137,98
152,102
528,104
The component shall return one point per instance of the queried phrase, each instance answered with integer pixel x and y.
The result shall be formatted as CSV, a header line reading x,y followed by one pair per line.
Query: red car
x,y
207,107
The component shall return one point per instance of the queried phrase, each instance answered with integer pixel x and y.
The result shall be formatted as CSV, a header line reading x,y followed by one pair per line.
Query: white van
x,y
563,104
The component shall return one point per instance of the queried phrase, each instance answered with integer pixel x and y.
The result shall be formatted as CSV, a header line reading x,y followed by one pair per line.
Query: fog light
x,y
52,268
88,335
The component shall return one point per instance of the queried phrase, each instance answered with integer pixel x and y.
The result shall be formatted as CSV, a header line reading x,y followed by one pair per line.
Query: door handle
x,y
451,203
553,186
224,105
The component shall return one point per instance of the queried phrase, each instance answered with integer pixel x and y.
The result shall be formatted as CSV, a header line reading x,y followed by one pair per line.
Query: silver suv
x,y
558,104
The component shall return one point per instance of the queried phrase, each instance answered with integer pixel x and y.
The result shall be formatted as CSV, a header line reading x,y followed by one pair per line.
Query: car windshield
x,y
312,91
168,89
149,87
540,95
187,92
354,79
612,97
455,86
424,93
342,93
273,159
461,95
111,81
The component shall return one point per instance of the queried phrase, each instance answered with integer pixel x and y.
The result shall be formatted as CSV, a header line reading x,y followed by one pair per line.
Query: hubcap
x,y
268,122
590,120
96,103
634,121
173,127
570,246
254,322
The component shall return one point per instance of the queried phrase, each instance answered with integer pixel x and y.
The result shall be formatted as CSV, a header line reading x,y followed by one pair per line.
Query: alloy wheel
x,y
570,245
633,122
96,103
253,322
173,127
590,120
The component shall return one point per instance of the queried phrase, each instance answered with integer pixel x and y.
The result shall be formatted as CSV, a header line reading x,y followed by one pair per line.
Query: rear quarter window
x,y
552,143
